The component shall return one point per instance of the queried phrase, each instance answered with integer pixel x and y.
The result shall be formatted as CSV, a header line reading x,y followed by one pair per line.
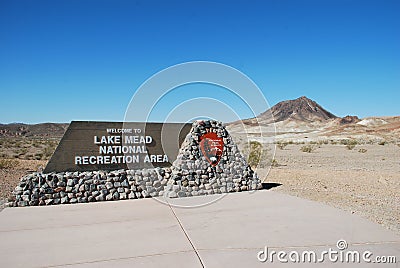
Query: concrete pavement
x,y
147,233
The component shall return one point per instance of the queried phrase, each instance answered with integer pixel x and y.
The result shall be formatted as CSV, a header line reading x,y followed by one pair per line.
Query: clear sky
x,y
84,59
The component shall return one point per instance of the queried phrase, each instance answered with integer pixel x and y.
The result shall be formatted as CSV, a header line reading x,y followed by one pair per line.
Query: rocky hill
x,y
44,130
302,109
304,120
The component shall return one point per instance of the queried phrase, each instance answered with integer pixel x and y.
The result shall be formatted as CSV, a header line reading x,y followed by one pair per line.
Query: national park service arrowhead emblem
x,y
212,147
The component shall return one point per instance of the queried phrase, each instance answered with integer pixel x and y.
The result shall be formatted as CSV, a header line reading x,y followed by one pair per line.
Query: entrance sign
x,y
88,146
212,147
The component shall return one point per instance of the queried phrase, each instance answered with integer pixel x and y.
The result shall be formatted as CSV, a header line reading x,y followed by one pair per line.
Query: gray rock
x,y
70,182
22,203
145,194
82,199
181,194
34,202
109,185
176,188
64,200
82,188
172,194
115,196
100,197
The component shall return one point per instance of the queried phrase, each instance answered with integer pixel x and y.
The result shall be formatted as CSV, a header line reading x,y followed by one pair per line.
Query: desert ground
x,y
364,180
11,170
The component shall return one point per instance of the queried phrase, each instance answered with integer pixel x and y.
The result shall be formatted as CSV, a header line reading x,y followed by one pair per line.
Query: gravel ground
x,y
367,183
10,177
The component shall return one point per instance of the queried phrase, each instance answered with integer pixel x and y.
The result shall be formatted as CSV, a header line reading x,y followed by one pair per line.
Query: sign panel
x,y
212,147
88,146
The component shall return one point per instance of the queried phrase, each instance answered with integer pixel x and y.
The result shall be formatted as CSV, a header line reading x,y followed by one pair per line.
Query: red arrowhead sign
x,y
212,147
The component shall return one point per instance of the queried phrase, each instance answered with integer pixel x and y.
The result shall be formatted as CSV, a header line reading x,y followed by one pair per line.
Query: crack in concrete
x,y
187,236
116,259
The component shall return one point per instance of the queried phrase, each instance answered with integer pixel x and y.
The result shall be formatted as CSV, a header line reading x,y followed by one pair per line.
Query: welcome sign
x,y
88,146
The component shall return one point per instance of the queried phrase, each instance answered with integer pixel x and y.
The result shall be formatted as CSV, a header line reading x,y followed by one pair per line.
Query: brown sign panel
x,y
88,146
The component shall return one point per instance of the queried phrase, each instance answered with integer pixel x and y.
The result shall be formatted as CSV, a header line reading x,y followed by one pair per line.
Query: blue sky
x,y
83,60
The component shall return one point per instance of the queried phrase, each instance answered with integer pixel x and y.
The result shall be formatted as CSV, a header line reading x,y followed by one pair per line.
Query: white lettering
x,y
138,139
159,158
78,160
107,140
117,149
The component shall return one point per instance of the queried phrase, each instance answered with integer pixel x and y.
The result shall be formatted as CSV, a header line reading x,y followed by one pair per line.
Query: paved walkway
x,y
147,233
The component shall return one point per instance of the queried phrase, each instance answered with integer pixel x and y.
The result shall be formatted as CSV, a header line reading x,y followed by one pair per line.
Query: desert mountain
x,y
301,109
305,120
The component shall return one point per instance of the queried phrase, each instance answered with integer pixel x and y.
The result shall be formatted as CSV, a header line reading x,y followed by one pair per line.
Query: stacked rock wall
x,y
191,174
231,174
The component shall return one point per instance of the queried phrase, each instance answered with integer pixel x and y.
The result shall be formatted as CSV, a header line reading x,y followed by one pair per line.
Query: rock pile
x,y
231,174
191,174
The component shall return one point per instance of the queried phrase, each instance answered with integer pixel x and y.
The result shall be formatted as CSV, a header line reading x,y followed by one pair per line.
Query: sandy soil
x,y
366,183
10,177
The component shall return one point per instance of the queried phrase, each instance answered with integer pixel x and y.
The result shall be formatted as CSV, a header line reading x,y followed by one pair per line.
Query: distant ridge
x,y
48,130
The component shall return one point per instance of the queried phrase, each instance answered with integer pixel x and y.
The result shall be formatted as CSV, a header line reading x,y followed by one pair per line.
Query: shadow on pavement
x,y
270,185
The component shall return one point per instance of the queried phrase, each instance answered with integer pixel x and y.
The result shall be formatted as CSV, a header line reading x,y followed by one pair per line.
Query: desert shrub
x,y
350,144
344,142
362,150
38,156
281,145
274,163
48,151
23,151
320,142
28,156
308,148
257,154
8,163
36,144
